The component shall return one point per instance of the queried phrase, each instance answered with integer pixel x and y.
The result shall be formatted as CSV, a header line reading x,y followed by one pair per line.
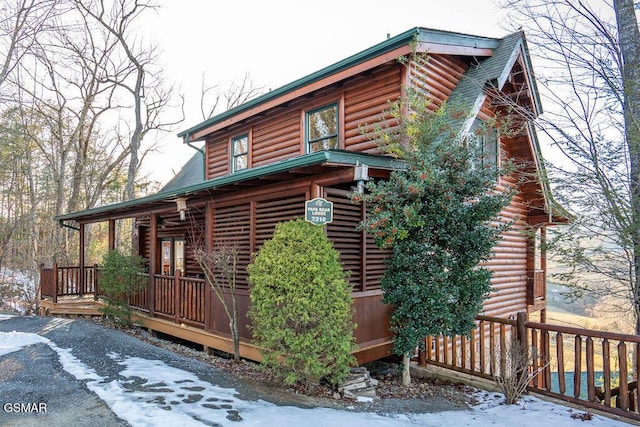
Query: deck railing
x,y
180,299
483,353
177,298
591,368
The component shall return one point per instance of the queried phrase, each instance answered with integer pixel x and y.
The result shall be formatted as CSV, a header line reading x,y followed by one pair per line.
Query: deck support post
x,y
208,292
153,263
55,283
81,278
112,234
543,258
96,291
176,294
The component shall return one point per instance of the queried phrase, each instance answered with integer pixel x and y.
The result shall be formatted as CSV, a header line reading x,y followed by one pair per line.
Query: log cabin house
x,y
262,160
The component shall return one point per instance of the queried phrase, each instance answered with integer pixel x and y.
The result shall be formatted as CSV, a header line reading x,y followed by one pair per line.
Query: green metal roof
x,y
419,34
337,157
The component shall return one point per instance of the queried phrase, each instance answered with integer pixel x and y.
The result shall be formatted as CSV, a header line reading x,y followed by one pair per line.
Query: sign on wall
x,y
318,211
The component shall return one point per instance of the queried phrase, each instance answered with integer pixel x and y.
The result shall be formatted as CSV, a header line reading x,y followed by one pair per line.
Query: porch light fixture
x,y
181,204
360,175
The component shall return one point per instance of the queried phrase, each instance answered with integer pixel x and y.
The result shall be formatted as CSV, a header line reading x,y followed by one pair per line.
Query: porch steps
x,y
75,307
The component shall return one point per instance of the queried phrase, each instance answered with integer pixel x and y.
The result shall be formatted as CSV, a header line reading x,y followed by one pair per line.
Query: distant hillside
x,y
556,301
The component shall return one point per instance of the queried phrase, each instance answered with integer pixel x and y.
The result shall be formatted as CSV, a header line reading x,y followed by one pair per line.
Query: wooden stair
x,y
78,306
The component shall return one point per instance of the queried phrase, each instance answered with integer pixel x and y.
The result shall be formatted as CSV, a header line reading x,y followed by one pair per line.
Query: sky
x,y
159,384
278,41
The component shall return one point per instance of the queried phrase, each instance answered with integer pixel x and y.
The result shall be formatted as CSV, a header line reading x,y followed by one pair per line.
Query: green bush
x,y
301,306
120,278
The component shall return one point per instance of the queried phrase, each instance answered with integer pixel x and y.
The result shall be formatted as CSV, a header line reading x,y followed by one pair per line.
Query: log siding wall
x,y
279,133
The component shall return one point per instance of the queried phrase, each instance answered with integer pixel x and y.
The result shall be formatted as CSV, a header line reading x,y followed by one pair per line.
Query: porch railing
x,y
57,281
177,298
180,299
591,368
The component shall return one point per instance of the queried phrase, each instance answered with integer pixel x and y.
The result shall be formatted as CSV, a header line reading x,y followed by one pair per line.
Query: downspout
x,y
204,157
62,224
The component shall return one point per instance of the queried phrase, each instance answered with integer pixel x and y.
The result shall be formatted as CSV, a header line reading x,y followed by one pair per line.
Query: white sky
x,y
278,41
159,386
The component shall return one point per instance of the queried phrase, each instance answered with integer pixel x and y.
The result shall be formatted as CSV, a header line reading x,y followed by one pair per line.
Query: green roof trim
x,y
418,33
339,157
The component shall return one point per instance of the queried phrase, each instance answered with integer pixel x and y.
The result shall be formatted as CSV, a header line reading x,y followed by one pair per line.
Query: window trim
x,y
307,114
233,155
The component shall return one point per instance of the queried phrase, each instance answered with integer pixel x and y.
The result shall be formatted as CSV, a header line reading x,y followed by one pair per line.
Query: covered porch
x,y
242,208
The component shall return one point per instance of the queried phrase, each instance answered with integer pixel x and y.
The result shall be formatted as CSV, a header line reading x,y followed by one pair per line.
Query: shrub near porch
x,y
301,306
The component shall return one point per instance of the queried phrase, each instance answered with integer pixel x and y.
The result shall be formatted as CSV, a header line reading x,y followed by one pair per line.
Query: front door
x,y
172,255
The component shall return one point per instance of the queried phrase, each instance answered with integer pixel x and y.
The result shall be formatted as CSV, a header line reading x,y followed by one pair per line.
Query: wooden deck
x,y
87,305
589,368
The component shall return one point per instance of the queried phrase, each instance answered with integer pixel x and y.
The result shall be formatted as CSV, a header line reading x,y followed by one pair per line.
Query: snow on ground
x,y
18,290
152,393
14,341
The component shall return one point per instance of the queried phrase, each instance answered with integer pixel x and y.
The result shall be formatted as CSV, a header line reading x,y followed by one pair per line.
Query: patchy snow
x,y
14,341
5,316
152,393
17,290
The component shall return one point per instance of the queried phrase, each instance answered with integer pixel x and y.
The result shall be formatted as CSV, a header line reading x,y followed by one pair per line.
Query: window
x,y
484,140
322,128
239,153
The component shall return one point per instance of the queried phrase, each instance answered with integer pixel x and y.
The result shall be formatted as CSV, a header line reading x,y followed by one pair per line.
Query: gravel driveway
x,y
35,375
83,374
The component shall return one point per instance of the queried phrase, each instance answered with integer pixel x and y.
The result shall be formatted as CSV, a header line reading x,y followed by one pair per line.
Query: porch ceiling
x,y
285,170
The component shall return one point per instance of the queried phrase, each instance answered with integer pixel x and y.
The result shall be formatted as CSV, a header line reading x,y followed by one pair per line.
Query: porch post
x,y
81,277
208,294
55,282
153,262
177,300
543,267
531,265
112,234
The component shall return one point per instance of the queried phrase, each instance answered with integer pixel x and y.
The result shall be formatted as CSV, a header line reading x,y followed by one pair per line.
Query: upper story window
x,y
239,153
322,128
484,140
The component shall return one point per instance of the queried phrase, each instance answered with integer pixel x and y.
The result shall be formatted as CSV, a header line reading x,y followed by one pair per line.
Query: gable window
x,y
322,128
484,140
239,153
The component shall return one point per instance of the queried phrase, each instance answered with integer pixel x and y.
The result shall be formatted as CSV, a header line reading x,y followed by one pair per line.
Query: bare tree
x,y
140,78
220,264
237,93
589,81
20,23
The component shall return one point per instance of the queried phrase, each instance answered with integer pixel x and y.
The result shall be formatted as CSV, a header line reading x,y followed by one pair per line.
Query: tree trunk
x,y
406,370
136,138
629,40
235,334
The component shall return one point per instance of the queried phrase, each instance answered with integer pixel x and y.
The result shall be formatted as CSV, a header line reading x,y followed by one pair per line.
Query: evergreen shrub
x,y
301,306
120,278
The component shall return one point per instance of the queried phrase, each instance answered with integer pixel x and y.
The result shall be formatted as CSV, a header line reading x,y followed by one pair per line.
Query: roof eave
x,y
335,157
